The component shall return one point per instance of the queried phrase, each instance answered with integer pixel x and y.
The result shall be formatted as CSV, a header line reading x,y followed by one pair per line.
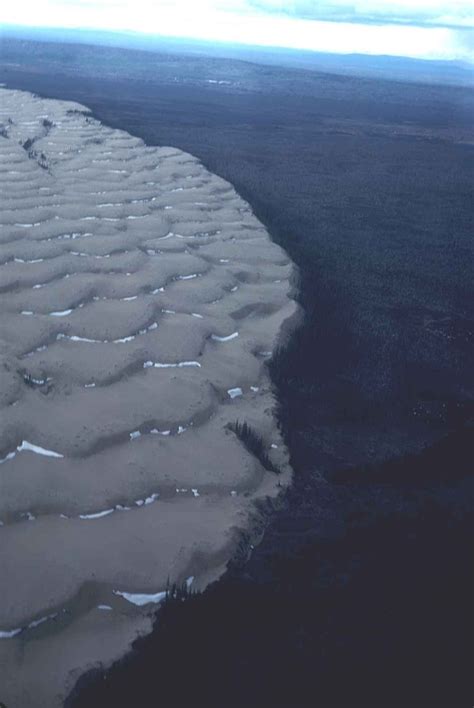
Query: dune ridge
x,y
140,301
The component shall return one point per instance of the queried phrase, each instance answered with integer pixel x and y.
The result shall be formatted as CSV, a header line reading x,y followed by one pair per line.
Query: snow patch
x,y
97,515
216,337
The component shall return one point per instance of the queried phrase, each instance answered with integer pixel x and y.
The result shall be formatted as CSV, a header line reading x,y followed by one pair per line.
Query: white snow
x,y
41,620
97,515
39,382
216,337
8,634
179,364
123,340
25,445
10,456
61,313
141,599
153,497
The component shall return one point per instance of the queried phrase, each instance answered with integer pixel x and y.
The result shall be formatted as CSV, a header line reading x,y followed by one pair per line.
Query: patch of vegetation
x,y
447,460
254,443
43,383
42,160
76,112
176,594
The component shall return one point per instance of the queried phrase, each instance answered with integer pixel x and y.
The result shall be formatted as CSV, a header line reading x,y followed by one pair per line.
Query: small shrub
x,y
254,444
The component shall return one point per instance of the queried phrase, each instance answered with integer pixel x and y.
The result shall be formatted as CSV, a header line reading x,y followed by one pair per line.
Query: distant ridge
x,y
377,66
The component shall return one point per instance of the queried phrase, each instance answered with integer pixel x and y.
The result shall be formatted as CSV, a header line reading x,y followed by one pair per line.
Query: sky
x,y
427,29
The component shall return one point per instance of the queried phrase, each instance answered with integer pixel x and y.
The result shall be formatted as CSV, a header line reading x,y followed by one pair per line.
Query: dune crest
x,y
140,300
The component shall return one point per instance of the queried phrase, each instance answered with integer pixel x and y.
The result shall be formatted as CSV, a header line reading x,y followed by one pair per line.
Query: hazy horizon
x,y
422,29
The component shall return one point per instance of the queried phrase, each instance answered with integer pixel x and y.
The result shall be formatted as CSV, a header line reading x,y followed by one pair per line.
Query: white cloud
x,y
269,22
458,13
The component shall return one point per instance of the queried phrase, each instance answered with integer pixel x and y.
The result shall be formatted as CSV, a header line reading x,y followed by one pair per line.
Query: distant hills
x,y
384,67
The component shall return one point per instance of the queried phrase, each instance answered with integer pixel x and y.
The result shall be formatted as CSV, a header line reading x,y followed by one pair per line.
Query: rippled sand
x,y
140,299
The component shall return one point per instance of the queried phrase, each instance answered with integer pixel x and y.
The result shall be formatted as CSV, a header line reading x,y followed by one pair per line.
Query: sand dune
x,y
140,300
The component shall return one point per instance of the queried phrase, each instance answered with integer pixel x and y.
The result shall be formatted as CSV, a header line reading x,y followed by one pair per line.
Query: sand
x,y
140,302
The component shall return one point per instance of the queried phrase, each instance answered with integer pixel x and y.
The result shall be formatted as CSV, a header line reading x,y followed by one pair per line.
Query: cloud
x,y
442,13
414,28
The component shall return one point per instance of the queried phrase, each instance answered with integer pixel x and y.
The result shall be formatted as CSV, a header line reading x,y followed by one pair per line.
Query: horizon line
x,y
466,63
